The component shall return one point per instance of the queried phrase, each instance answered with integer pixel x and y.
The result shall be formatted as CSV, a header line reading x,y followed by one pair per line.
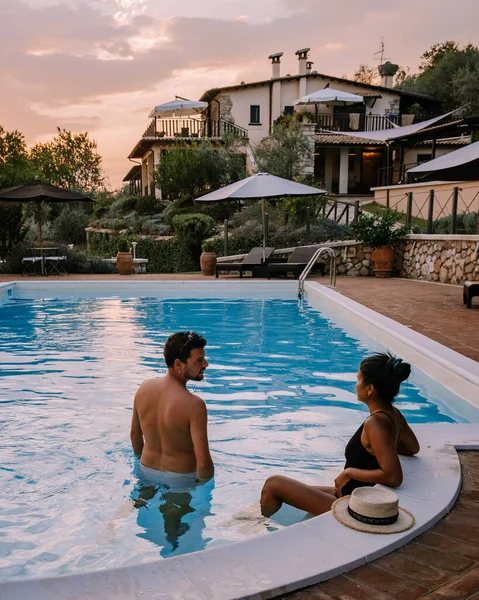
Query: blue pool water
x,y
280,395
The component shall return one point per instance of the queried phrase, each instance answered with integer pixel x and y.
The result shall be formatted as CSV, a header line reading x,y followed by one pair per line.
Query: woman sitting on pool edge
x,y
372,452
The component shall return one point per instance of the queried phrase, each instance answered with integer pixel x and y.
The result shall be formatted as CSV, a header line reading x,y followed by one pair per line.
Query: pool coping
x,y
311,551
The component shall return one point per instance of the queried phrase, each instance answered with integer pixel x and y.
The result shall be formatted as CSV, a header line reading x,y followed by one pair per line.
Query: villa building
x,y
343,164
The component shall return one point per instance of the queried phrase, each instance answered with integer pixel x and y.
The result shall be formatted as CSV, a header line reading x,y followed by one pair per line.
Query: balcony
x,y
192,128
370,122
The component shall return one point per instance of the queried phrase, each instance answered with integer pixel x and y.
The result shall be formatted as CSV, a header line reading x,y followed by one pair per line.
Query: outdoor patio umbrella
x,y
178,108
329,96
39,192
261,186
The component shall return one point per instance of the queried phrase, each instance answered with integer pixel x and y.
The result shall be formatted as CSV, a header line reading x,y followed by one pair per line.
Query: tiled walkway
x,y
435,310
442,564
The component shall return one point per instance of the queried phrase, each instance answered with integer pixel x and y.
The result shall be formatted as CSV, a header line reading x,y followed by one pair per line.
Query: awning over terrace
x,y
462,164
388,135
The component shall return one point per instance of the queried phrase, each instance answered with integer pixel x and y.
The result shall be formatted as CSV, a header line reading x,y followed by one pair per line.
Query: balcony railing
x,y
192,128
356,122
371,122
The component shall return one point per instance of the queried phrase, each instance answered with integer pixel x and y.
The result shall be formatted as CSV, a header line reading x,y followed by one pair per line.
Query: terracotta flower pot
x,y
208,263
124,262
383,261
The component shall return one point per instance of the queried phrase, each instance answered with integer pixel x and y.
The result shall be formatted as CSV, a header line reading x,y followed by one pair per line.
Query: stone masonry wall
x,y
446,259
354,260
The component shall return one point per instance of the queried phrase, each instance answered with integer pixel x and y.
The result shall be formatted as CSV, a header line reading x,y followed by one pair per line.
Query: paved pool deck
x,y
442,564
436,310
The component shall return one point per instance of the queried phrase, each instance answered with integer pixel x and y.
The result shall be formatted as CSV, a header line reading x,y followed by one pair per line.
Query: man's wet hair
x,y
386,373
179,345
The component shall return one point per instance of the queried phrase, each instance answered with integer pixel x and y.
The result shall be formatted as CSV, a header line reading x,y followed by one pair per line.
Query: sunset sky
x,y
101,65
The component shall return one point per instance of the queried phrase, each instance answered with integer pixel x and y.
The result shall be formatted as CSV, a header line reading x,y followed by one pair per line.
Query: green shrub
x,y
13,262
209,245
380,229
148,205
164,256
192,229
465,223
12,230
123,245
322,231
69,226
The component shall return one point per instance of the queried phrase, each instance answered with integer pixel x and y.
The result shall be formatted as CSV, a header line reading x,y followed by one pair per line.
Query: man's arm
x,y
136,433
199,437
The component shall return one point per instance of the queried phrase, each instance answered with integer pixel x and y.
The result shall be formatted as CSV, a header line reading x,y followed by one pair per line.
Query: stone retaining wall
x,y
447,259
354,260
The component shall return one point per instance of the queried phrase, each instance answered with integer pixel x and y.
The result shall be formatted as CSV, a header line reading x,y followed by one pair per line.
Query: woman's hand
x,y
340,481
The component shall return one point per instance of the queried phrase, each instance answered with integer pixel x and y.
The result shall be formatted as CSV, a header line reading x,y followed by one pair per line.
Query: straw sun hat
x,y
373,510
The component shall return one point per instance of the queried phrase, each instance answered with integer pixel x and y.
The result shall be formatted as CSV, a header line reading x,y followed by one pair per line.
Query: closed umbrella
x,y
39,192
261,186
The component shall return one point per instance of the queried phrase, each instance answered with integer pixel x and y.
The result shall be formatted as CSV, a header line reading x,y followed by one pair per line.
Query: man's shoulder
x,y
151,385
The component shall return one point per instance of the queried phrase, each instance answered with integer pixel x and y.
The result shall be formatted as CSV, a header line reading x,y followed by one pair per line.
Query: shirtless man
x,y
169,424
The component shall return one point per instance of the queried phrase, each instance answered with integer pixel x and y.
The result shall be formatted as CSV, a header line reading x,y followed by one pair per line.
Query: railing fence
x,y
436,211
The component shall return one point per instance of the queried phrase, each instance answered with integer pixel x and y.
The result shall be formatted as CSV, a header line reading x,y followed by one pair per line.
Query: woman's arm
x,y
380,437
408,444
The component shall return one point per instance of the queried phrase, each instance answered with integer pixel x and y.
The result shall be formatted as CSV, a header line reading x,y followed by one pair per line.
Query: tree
x,y
285,151
449,73
431,57
366,74
15,169
70,160
186,172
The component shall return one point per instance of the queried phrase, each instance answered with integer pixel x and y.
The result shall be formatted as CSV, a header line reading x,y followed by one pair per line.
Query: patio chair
x,y
470,289
32,265
55,265
253,259
295,264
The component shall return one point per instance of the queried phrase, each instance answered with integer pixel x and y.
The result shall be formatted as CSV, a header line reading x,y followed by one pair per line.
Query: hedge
x,y
164,255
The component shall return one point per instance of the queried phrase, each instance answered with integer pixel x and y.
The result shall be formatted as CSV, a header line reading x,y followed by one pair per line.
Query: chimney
x,y
309,66
387,72
302,58
276,62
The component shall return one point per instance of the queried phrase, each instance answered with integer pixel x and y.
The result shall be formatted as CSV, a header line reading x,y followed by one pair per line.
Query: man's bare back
x,y
169,424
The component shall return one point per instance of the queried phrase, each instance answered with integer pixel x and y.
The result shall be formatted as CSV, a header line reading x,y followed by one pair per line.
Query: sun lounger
x,y
470,289
250,261
295,264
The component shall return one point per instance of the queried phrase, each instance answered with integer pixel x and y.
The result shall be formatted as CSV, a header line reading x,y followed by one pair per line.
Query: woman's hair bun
x,y
399,369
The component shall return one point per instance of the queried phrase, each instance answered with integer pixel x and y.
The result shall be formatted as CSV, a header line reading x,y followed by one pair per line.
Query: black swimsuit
x,y
358,457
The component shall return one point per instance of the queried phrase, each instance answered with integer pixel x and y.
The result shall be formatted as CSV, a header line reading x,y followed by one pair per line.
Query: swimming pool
x,y
280,394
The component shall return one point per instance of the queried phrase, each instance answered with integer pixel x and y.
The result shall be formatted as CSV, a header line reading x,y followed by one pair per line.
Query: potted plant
x,y
380,231
208,257
124,258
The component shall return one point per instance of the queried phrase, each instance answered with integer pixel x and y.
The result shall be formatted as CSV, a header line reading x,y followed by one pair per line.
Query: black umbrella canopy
x,y
39,192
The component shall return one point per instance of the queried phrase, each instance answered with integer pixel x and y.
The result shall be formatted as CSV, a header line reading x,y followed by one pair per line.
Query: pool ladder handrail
x,y
332,268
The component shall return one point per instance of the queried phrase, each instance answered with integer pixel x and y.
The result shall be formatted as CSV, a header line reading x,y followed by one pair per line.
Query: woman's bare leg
x,y
279,489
